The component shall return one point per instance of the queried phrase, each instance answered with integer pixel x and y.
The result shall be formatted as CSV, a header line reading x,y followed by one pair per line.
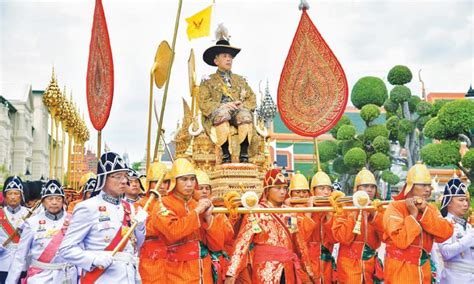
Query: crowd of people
x,y
178,238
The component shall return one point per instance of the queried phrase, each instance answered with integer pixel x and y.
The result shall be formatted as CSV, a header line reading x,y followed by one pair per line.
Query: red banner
x,y
313,91
100,71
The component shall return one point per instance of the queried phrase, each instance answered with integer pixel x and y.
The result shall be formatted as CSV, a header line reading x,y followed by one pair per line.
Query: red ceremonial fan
x,y
313,91
100,71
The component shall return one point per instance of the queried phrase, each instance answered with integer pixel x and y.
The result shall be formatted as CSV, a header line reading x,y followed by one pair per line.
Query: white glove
x,y
141,216
103,260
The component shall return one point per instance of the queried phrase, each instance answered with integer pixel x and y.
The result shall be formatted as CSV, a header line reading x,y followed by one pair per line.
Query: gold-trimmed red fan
x,y
313,91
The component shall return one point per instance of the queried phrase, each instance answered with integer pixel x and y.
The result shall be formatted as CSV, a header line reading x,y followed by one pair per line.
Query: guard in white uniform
x,y
11,220
458,251
135,188
99,223
40,239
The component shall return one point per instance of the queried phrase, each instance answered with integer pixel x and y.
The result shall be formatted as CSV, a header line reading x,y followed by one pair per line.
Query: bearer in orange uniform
x,y
299,188
153,252
320,240
357,258
220,258
272,237
189,229
411,225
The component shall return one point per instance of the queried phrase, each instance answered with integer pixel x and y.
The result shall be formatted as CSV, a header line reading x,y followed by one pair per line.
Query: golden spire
x,y
52,95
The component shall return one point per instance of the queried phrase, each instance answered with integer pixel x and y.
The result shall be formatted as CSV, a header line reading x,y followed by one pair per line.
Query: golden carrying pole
x,y
154,194
223,210
134,225
51,147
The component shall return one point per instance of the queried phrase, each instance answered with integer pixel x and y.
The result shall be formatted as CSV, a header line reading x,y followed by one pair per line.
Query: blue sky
x,y
368,37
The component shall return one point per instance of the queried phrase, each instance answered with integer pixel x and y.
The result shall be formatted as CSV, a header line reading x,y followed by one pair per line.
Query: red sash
x,y
352,251
50,251
92,276
184,252
266,253
154,249
8,227
411,254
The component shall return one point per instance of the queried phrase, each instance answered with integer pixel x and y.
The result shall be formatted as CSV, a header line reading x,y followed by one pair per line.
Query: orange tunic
x,y
219,258
275,250
183,231
153,251
356,259
409,242
319,235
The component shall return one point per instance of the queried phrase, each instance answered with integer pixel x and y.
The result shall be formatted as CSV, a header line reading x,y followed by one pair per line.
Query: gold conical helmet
x,y
181,167
155,171
364,177
298,182
202,178
418,174
320,179
85,178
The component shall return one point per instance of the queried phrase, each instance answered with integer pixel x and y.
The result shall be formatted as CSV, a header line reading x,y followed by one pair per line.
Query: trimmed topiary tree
x,y
368,90
355,158
408,114
369,113
399,75
381,144
346,132
453,124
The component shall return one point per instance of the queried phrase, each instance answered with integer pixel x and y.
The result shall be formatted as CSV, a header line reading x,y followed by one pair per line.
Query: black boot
x,y
244,156
226,158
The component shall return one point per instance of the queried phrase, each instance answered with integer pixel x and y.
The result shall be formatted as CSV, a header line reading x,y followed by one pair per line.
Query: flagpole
x,y
316,148
99,143
173,45
150,102
51,147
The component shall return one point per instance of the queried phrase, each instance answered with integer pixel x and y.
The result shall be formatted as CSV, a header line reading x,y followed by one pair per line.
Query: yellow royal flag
x,y
199,24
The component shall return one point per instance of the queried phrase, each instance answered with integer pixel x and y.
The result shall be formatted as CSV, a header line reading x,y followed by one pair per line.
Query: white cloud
x,y
368,37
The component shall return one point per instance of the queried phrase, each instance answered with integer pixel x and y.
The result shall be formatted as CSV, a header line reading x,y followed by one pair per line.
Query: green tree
x,y
136,166
453,125
351,151
406,115
368,90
